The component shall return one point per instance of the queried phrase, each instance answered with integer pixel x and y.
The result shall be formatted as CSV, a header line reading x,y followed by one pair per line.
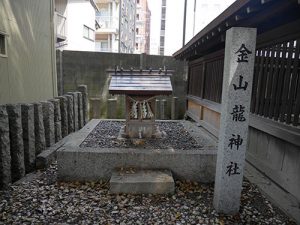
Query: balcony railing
x,y
108,22
60,25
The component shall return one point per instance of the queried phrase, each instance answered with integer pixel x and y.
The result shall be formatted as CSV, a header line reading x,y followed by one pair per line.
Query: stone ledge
x,y
48,156
45,158
132,181
92,164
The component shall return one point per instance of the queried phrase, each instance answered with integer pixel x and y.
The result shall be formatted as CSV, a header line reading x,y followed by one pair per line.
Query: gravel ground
x,y
45,201
106,132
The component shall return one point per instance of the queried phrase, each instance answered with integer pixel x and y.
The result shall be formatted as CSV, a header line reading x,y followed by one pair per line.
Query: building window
x,y
137,30
137,1
136,46
102,46
3,50
162,41
163,13
138,16
163,25
88,33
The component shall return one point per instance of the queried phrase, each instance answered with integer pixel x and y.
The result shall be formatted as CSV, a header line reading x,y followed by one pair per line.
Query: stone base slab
x,y
93,164
132,181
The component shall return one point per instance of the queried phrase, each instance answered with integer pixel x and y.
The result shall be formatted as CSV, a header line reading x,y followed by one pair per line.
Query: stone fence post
x,y
39,130
16,141
28,136
83,89
80,110
70,113
5,157
95,108
112,108
57,119
163,109
63,101
157,109
48,116
75,109
174,108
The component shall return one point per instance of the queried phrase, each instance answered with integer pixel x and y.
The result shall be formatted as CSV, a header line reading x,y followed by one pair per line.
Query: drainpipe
x,y
53,47
184,22
194,17
120,18
134,16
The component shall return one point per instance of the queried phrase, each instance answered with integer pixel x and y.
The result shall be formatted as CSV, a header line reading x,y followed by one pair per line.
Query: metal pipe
x,y
184,22
194,17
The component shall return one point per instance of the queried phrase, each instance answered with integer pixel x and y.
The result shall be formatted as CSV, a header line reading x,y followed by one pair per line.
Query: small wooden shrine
x,y
140,88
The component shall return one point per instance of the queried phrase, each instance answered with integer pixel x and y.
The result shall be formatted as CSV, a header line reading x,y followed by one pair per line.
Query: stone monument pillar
x,y
236,97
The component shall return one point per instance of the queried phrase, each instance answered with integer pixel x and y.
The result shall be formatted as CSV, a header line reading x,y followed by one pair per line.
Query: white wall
x,y
115,44
27,73
80,13
174,26
206,11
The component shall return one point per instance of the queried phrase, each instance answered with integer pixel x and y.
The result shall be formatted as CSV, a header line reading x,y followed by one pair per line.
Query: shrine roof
x,y
265,15
140,82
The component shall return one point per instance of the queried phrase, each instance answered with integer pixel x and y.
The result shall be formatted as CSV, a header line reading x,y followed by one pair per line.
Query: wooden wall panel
x,y
211,117
195,109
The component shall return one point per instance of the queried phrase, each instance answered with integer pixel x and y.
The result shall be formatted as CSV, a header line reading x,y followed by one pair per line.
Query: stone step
x,y
137,181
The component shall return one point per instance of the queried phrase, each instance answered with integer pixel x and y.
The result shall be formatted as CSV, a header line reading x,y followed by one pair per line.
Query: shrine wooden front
x,y
140,116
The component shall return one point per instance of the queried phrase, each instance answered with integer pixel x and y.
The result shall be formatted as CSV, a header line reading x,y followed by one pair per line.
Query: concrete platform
x,y
92,164
131,181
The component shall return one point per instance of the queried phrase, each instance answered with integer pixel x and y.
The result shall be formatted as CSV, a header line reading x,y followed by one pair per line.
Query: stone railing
x,y
28,130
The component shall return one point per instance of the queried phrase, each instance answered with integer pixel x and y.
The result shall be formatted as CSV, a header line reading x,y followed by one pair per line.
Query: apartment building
x,y
116,32
162,27
142,27
75,24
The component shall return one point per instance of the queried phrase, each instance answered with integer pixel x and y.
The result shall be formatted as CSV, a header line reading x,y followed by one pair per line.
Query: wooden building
x,y
274,137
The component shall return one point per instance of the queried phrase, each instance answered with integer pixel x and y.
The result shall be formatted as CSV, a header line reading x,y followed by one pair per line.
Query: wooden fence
x,y
206,77
276,84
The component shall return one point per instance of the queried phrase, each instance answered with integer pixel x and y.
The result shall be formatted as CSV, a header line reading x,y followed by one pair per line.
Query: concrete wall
x,y
28,72
90,68
277,159
274,166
